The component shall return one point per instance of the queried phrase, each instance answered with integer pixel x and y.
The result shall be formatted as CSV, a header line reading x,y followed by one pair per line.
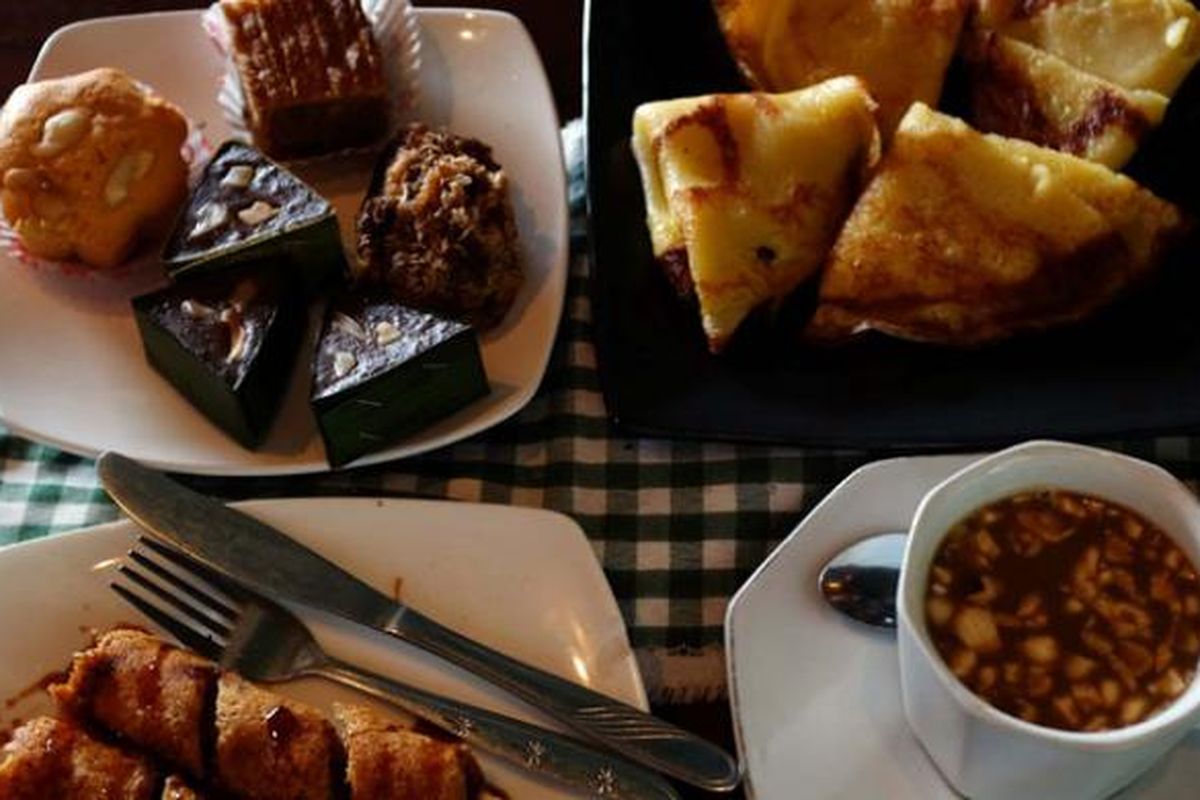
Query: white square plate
x,y
72,373
816,696
523,581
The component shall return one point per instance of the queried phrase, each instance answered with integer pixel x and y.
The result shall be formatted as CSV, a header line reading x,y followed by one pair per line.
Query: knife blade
x,y
237,544
274,564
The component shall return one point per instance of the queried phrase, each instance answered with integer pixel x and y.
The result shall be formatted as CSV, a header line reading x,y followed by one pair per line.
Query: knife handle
x,y
633,733
536,749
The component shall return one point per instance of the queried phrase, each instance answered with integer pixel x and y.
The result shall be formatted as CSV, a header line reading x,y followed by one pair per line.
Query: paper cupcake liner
x,y
396,28
196,152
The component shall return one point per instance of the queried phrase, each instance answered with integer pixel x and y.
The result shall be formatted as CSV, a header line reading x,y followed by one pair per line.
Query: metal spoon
x,y
861,580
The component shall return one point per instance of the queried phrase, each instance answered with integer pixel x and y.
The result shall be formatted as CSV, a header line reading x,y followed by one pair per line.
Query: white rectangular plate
x,y
523,581
72,372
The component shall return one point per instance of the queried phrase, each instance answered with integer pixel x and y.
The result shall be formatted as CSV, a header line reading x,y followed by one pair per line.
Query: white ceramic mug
x,y
982,752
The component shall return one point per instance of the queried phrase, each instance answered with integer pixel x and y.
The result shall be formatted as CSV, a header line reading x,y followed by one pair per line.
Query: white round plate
x,y
72,372
816,696
523,581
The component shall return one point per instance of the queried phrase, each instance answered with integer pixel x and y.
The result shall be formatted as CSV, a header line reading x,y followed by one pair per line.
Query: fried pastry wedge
x,y
1018,90
964,238
1138,44
900,48
745,192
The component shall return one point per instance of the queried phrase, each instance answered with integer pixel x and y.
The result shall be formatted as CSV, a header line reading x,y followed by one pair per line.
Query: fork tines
x,y
165,585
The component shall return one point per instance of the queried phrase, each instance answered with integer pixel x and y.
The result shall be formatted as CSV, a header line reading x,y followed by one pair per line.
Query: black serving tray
x,y
1134,370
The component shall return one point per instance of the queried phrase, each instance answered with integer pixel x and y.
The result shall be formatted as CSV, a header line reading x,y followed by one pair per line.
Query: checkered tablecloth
x,y
677,525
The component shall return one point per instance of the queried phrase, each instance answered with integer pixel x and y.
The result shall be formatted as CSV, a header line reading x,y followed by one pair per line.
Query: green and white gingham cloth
x,y
677,525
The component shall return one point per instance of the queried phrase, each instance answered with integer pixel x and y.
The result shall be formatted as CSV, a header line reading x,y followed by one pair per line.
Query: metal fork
x,y
263,641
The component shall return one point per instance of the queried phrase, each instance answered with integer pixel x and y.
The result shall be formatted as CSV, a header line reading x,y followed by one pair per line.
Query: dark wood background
x,y
557,29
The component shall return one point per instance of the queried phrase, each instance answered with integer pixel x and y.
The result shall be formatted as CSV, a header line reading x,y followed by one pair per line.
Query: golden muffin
x,y
90,164
1138,44
900,48
745,192
964,237
1021,91
51,759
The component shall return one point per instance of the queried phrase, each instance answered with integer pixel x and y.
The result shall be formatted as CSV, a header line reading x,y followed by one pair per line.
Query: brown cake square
x,y
311,73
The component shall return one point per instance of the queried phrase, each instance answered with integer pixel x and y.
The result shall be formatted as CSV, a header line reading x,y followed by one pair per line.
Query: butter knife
x,y
277,566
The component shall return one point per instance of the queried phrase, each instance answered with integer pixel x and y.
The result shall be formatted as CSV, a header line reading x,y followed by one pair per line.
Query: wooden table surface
x,y
556,27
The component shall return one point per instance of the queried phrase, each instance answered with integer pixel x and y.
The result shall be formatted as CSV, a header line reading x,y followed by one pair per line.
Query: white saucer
x,y
816,697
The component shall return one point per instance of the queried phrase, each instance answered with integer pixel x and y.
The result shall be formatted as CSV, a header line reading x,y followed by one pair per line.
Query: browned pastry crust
x,y
1019,91
51,759
311,73
90,164
964,238
269,748
387,760
438,228
165,701
156,696
176,788
899,48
